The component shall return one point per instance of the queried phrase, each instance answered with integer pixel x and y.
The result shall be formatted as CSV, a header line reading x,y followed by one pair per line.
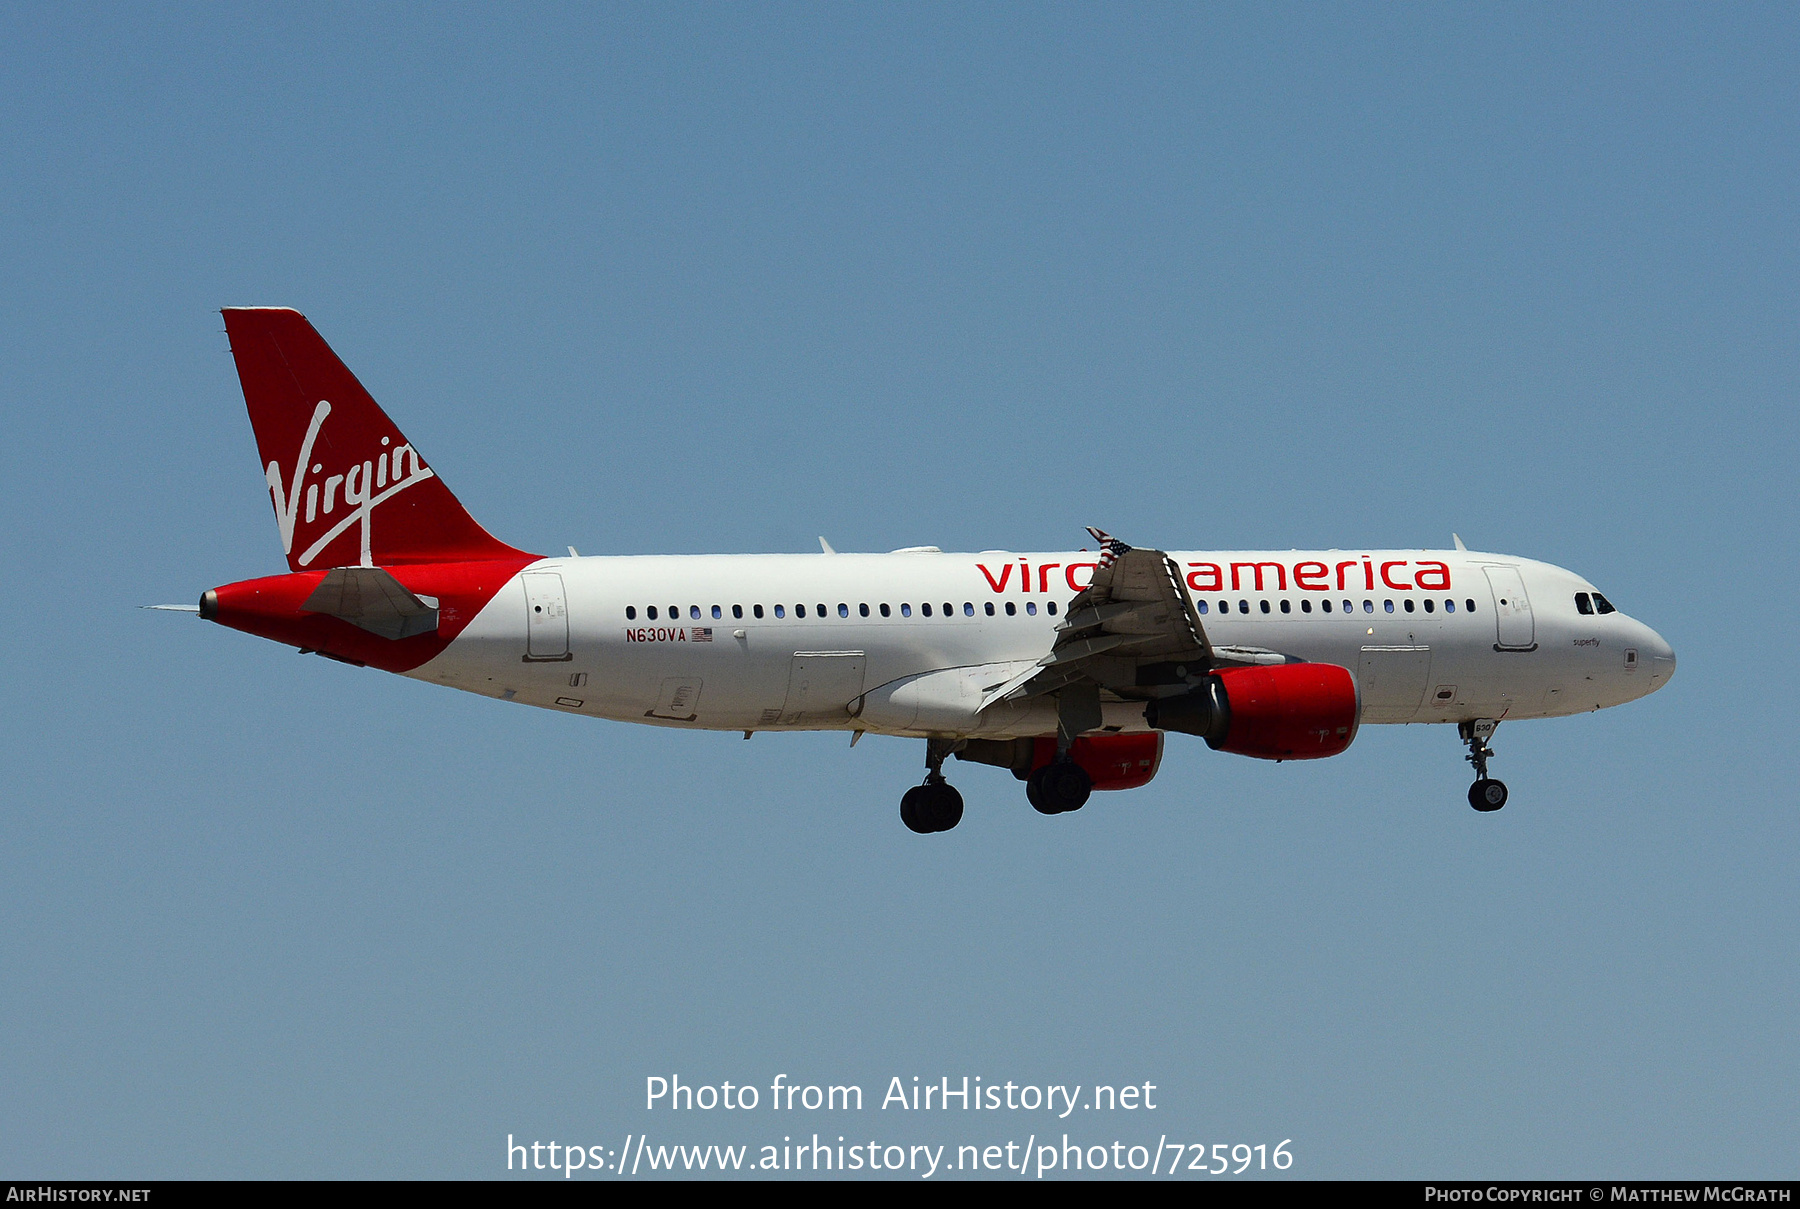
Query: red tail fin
x,y
348,488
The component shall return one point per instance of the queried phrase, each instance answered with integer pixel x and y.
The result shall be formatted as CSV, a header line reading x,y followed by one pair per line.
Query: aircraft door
x,y
821,686
1515,630
1393,680
546,618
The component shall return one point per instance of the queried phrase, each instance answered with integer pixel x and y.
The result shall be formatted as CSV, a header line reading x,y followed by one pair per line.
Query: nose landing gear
x,y
1486,794
935,805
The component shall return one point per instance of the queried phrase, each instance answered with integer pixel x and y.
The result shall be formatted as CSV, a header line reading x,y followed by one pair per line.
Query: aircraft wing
x,y
1131,630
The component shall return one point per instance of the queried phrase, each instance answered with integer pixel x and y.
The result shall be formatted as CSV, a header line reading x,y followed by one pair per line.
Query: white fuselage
x,y
697,641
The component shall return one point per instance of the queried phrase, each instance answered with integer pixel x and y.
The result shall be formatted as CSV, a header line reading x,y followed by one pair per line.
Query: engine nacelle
x,y
1112,761
1288,711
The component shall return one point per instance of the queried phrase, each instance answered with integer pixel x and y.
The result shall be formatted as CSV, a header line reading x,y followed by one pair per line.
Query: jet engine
x,y
1111,761
1288,711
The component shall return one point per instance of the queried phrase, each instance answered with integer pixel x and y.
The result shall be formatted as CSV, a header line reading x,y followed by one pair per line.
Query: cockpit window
x,y
1603,605
1583,605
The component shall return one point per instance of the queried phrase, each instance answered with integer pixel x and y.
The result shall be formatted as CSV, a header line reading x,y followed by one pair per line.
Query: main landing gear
x,y
1485,794
1058,787
935,805
1063,785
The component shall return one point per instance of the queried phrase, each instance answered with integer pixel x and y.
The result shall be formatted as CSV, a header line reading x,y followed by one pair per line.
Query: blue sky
x,y
721,279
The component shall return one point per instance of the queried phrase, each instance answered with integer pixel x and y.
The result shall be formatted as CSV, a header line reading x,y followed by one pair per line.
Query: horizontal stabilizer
x,y
373,600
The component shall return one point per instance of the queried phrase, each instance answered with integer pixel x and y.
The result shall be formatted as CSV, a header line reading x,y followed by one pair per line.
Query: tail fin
x,y
348,488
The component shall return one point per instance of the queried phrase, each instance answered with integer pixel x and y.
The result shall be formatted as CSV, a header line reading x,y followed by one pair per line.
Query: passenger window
x,y
650,612
1224,606
1449,606
1051,608
718,612
1243,606
989,606
1200,606
1031,607
1368,606
863,609
925,608
843,610
1603,605
780,611
1012,609
1583,605
885,611
968,609
1287,607
1264,604
1409,604
906,609
821,610
630,612
1388,605
1429,606
756,611
1306,606
1325,606
799,610
1349,606
1469,604
737,611
949,609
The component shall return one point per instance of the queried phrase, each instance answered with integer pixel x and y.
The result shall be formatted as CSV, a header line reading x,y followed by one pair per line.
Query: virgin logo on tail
x,y
363,487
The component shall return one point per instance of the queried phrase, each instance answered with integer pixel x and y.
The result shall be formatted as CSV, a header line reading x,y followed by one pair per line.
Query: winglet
x,y
1110,547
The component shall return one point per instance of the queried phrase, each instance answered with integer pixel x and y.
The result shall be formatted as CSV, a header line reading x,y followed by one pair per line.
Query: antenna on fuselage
x,y
825,546
1458,541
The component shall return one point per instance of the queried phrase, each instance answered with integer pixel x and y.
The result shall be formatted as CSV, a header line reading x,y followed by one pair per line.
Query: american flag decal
x,y
701,634
1110,547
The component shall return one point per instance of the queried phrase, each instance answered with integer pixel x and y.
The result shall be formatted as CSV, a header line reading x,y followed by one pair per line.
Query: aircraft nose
x,y
1660,657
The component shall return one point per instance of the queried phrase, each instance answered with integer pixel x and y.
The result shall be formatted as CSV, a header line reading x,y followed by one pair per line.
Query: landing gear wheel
x,y
1069,786
1487,794
933,806
943,807
1059,788
909,811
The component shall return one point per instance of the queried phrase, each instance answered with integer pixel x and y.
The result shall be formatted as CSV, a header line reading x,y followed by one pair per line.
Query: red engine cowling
x,y
1289,711
1113,761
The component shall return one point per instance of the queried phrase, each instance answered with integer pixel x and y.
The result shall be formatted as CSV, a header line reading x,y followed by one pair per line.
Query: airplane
x,y
1068,667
